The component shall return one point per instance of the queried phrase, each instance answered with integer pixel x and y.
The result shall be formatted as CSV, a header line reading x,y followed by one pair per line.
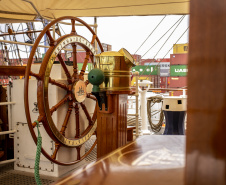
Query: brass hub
x,y
79,91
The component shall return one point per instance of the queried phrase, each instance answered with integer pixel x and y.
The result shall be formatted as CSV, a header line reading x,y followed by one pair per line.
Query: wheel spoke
x,y
86,113
77,121
37,76
93,39
39,120
78,152
50,38
75,65
89,95
57,147
65,68
61,102
73,26
87,82
84,66
86,60
59,84
64,126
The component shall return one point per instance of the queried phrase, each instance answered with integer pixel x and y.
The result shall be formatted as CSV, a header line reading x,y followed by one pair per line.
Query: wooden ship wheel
x,y
75,92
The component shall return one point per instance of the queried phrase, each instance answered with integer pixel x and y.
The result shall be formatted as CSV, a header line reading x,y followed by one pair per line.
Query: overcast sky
x,y
130,32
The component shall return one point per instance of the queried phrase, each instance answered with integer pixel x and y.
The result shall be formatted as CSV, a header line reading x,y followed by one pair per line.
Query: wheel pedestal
x,y
111,85
112,125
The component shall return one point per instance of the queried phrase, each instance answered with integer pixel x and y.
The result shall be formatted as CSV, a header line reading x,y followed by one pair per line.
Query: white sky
x,y
130,32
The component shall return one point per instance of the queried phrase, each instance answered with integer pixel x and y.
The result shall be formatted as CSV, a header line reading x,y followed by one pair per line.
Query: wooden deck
x,y
148,160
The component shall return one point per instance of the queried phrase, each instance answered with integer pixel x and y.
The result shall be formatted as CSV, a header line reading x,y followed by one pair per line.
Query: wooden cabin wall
x,y
206,127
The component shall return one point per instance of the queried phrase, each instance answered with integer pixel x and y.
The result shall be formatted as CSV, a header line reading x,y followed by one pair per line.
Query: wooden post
x,y
206,128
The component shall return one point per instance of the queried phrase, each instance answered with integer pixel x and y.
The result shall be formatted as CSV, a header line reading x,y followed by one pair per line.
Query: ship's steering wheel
x,y
75,92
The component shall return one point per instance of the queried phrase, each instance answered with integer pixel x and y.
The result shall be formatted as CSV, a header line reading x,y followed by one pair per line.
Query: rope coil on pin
x,y
38,154
152,100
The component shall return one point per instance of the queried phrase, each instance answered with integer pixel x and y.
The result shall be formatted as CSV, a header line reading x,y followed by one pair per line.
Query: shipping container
x,y
146,70
176,93
156,81
176,59
164,81
178,70
178,82
180,48
147,61
163,60
109,47
164,69
137,58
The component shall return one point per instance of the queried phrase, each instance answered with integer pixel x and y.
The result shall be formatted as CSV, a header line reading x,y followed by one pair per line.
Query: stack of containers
x,y
178,68
164,72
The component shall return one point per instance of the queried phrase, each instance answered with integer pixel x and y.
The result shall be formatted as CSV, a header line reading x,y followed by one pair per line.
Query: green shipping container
x,y
178,70
146,70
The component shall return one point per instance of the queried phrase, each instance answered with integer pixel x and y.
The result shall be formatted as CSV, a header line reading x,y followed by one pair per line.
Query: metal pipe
x,y
8,161
54,31
7,103
95,30
7,132
15,33
166,89
26,44
137,113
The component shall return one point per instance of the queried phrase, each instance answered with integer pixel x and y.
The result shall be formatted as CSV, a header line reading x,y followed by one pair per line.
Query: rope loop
x,y
152,100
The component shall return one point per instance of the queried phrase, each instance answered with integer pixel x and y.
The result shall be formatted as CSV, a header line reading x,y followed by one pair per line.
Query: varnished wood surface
x,y
206,128
111,127
130,133
12,70
157,160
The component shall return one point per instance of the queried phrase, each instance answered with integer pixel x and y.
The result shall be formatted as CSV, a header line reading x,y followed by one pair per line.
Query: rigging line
x,y
11,45
24,41
165,43
162,36
38,54
62,29
150,34
64,34
169,36
16,45
172,47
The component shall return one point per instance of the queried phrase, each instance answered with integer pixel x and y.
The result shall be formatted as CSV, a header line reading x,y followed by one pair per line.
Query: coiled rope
x,y
150,103
37,158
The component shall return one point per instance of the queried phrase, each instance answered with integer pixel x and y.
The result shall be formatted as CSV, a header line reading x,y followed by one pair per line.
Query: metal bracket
x,y
102,99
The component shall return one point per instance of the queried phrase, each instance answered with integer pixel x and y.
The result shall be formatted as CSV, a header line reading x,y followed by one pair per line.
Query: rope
x,y
37,158
154,99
